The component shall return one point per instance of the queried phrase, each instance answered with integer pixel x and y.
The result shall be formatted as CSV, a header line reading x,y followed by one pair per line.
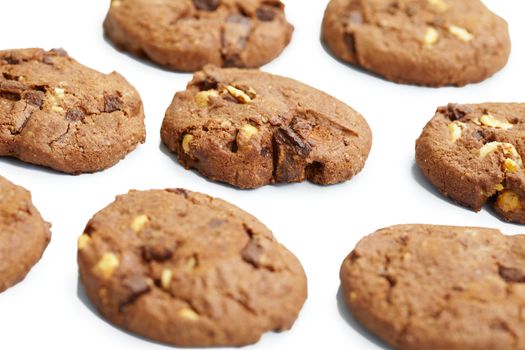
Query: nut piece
x,y
239,95
249,130
59,92
489,120
106,265
510,166
139,222
190,264
202,98
509,201
116,3
507,148
455,130
499,188
439,4
188,314
460,33
83,241
431,37
186,140
165,278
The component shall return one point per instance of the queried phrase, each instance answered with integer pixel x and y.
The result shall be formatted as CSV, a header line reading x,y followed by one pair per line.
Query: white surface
x,y
319,224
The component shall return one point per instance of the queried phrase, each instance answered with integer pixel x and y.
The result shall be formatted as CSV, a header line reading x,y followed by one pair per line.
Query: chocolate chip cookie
x,y
439,287
185,35
424,42
249,128
189,270
24,235
474,153
57,113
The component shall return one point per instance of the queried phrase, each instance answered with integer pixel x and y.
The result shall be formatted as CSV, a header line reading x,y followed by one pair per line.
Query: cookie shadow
x,y
82,296
345,313
32,167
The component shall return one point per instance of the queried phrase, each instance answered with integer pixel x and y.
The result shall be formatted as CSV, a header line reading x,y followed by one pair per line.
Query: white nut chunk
x,y
83,241
509,201
240,95
461,33
186,140
107,265
490,121
440,5
139,222
165,278
202,98
510,166
431,37
188,314
455,129
248,131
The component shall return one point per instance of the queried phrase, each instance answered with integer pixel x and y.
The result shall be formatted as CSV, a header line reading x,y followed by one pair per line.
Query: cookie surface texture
x,y
186,35
439,287
190,270
60,114
423,42
474,153
24,235
249,128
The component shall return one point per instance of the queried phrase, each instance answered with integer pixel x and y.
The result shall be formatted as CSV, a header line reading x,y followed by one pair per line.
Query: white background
x,y
320,225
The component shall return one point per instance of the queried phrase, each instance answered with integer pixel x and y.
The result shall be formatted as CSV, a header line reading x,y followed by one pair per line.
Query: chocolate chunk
x,y
290,155
207,5
266,13
156,250
511,274
179,191
454,111
134,286
36,98
253,253
234,37
112,103
349,39
75,114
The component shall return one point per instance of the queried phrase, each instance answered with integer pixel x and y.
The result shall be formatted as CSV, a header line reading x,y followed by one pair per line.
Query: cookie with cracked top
x,y
249,128
423,42
189,270
439,287
474,153
60,114
185,35
24,235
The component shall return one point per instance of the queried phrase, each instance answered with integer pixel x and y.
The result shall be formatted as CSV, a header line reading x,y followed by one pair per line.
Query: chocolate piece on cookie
x,y
185,35
439,287
424,42
189,270
57,113
249,128
24,235
473,153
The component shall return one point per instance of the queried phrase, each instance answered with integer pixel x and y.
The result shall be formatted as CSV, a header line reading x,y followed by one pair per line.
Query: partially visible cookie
x,y
439,287
424,42
473,153
189,270
185,35
60,114
249,128
24,235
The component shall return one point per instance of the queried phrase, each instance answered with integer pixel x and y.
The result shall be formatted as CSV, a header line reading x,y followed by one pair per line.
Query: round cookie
x,y
24,235
57,113
473,153
424,42
185,35
249,128
189,270
439,287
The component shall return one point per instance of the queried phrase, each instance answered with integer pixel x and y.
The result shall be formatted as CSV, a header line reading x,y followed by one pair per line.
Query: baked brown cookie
x,y
439,287
189,270
185,35
424,42
57,113
24,235
473,153
249,128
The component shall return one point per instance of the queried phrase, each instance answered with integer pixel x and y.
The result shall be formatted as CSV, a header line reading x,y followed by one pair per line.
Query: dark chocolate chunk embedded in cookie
x,y
186,35
57,113
249,128
439,287
189,270
473,153
24,235
424,42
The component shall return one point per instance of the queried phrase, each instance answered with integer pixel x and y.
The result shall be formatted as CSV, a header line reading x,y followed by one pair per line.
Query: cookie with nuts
x,y
24,235
249,128
439,287
60,114
423,42
474,153
189,270
185,35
